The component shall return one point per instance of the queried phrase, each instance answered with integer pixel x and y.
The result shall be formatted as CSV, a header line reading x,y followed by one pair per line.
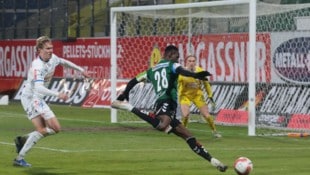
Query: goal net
x,y
258,55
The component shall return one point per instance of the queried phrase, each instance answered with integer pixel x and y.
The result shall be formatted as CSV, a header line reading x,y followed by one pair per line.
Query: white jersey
x,y
40,75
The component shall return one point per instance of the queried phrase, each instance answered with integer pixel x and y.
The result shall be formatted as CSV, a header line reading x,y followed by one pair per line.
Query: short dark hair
x,y
171,48
171,53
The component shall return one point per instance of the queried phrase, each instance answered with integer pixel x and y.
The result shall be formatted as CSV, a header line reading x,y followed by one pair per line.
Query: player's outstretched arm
x,y
202,75
67,63
139,78
125,95
199,75
70,64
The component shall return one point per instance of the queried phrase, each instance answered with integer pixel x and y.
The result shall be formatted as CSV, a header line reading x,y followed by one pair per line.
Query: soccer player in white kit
x,y
42,117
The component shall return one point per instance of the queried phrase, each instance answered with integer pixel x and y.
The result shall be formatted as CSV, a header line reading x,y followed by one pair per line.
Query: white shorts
x,y
35,107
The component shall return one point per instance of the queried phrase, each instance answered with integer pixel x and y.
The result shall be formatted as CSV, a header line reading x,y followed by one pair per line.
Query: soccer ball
x,y
243,166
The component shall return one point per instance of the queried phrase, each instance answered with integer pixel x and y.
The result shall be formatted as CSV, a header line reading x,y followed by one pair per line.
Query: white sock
x,y
50,131
33,138
215,162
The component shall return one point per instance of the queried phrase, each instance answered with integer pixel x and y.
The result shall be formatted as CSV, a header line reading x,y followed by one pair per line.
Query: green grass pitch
x,y
90,145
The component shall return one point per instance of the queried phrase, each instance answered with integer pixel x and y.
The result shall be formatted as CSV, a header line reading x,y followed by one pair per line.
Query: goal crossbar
x,y
178,6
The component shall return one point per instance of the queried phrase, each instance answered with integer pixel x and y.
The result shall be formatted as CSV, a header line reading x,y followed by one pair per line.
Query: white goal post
x,y
139,34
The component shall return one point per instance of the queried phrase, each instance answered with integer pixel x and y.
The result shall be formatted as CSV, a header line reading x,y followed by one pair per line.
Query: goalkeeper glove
x,y
202,75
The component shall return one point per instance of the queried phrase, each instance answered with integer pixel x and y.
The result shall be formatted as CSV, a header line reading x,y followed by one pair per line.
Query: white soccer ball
x,y
243,166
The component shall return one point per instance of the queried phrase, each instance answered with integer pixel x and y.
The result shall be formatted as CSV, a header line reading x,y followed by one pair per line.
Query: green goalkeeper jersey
x,y
164,79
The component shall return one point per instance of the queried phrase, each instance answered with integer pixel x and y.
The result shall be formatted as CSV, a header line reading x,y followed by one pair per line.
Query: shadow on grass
x,y
45,171
54,171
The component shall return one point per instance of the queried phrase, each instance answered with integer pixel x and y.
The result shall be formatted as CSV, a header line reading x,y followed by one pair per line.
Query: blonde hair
x,y
188,56
41,41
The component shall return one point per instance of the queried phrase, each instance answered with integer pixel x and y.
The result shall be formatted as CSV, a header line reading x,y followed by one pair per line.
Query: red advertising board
x,y
224,55
17,55
92,53
15,58
299,121
232,117
100,93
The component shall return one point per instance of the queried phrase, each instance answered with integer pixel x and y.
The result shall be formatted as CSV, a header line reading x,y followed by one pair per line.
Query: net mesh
x,y
218,36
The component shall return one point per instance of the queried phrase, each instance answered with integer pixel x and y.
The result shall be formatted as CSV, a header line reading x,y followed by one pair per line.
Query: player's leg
x,y
164,124
164,110
203,108
53,126
26,102
32,139
118,104
184,133
51,123
45,123
185,109
146,117
159,121
19,142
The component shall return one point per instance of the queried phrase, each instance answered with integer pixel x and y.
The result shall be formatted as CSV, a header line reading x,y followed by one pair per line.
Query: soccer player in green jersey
x,y
163,77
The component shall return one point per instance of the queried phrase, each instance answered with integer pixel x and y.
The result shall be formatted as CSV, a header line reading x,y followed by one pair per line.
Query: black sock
x,y
151,120
198,148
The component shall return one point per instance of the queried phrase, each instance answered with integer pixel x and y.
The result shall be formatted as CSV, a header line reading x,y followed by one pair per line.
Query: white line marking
x,y
163,149
18,115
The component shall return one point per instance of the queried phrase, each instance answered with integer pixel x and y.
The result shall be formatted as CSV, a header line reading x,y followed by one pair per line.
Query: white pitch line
x,y
15,115
18,115
53,149
163,149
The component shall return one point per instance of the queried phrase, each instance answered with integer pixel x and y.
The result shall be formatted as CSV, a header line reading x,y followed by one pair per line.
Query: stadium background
x,y
64,20
77,26
89,143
